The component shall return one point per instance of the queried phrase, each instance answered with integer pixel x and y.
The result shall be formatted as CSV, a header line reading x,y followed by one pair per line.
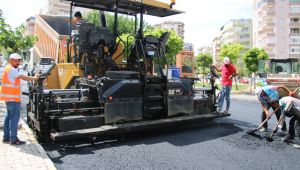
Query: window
x,y
281,20
295,9
295,39
186,69
294,50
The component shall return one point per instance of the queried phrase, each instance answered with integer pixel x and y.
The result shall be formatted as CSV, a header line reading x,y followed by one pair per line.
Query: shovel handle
x,y
282,118
267,118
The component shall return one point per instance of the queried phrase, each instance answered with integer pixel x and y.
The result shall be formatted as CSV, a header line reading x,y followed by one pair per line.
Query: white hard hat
x,y
15,56
226,60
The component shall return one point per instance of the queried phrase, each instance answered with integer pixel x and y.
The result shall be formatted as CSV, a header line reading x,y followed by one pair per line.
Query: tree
x,y
252,57
126,24
14,40
203,61
233,51
174,43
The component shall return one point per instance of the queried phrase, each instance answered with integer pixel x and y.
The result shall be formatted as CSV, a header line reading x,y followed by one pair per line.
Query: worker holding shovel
x,y
294,114
269,96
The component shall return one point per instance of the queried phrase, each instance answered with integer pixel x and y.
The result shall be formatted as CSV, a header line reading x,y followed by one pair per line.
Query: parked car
x,y
244,80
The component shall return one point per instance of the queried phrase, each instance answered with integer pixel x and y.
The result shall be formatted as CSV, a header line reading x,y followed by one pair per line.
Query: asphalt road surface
x,y
220,144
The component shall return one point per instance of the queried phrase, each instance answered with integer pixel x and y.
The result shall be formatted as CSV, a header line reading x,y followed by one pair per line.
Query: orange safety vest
x,y
10,91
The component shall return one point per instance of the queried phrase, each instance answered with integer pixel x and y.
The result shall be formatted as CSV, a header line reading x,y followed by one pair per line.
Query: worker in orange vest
x,y
11,94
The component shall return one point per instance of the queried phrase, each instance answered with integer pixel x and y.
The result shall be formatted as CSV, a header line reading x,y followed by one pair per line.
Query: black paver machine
x,y
112,98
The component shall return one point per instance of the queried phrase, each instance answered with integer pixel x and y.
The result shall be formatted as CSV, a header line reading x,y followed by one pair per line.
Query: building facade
x,y
205,50
58,7
30,26
235,31
178,27
61,7
277,27
216,48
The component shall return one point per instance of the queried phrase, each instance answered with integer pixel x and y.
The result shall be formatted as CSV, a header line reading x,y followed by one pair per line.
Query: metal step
x,y
154,86
155,98
156,108
134,127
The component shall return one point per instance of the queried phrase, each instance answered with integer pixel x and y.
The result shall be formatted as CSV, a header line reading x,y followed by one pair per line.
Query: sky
x,y
202,18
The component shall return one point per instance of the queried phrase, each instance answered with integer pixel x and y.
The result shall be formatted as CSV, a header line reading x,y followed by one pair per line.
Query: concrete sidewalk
x,y
30,156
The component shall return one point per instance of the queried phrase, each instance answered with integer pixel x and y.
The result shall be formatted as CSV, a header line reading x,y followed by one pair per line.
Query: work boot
x,y
297,146
17,142
226,112
5,140
283,129
288,139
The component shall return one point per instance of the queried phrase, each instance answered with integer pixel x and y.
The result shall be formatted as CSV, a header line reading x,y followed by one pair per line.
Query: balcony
x,y
295,24
269,44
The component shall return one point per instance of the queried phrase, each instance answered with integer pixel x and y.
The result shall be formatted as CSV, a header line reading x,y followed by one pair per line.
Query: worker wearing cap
x,y
11,94
269,96
294,114
228,71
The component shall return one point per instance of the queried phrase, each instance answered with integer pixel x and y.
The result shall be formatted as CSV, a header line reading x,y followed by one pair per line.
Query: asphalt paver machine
x,y
112,98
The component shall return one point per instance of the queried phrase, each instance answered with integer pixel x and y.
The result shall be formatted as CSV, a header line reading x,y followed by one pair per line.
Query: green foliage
x,y
127,42
126,24
174,44
240,67
232,51
252,57
203,61
14,40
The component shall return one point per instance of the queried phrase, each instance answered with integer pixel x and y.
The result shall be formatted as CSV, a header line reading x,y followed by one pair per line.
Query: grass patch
x,y
241,87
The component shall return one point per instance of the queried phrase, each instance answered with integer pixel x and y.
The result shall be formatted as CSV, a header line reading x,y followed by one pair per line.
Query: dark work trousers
x,y
277,113
292,125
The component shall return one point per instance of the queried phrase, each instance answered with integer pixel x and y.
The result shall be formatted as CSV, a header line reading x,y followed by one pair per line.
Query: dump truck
x,y
284,72
84,91
185,61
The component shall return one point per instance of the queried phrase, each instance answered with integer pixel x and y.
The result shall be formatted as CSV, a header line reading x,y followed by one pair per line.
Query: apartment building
x,y
277,27
216,48
205,49
61,7
178,27
30,26
235,31
58,7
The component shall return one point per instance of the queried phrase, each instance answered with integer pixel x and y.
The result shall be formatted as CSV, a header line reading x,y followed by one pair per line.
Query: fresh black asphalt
x,y
220,144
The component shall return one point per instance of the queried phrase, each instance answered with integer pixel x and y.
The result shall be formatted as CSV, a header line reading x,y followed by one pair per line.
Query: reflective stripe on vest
x,y
10,91
10,96
10,85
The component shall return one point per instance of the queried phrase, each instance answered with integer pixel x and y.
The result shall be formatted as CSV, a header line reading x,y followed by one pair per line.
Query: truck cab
x,y
284,72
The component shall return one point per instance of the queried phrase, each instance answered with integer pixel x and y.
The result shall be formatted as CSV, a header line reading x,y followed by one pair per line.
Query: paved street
x,y
221,144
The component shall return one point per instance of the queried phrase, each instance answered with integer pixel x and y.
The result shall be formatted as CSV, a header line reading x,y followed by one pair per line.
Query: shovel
x,y
260,126
236,86
280,121
279,125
